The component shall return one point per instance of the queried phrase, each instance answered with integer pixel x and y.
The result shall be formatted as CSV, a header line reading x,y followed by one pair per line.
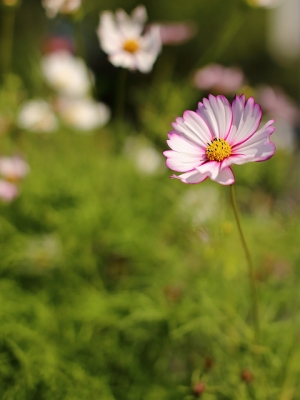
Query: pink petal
x,y
211,168
217,113
246,120
258,147
193,129
180,144
181,162
225,177
191,177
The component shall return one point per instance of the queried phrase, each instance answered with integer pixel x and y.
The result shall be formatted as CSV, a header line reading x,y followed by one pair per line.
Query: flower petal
x,y
191,177
108,33
246,120
181,162
217,113
212,168
180,144
225,177
193,128
258,147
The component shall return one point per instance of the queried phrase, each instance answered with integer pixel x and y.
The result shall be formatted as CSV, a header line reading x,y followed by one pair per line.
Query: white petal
x,y
217,113
191,177
258,147
178,143
108,33
246,119
181,162
211,168
123,59
193,128
225,177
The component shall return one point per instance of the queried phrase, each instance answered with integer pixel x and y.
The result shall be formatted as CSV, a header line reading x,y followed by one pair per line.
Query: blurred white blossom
x,y
145,157
83,114
8,191
122,37
219,79
14,168
264,3
53,7
37,116
66,74
200,204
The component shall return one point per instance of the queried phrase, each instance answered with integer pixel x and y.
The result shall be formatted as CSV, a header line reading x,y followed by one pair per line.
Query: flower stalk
x,y
255,310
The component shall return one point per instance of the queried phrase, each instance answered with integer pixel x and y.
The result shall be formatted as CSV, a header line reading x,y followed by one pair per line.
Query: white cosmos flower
x,y
83,114
122,38
145,157
60,6
66,74
37,116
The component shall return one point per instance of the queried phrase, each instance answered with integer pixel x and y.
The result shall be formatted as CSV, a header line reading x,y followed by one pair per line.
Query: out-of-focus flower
x,y
37,116
58,43
13,169
83,114
10,3
146,158
219,79
53,7
275,102
200,204
284,31
174,33
66,74
207,142
264,3
122,38
8,191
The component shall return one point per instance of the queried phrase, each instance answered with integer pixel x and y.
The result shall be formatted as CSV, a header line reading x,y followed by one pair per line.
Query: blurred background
x,y
117,283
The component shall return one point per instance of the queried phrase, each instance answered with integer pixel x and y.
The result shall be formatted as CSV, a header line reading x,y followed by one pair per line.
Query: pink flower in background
x,y
53,7
13,168
275,102
8,191
58,43
207,142
216,78
174,33
122,38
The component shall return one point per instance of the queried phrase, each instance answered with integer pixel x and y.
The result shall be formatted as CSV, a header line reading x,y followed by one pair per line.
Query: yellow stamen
x,y
218,149
131,45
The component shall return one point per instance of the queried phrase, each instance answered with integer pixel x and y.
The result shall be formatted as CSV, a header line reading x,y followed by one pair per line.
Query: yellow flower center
x,y
131,45
218,149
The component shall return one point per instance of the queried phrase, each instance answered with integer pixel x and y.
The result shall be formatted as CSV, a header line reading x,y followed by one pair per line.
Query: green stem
x,y
81,50
120,95
250,267
7,35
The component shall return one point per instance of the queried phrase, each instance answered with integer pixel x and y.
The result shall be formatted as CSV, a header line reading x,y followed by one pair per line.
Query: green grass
x,y
111,290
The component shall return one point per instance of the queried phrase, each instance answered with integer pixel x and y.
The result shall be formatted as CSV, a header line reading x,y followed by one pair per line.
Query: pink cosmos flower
x,y
274,101
122,37
174,33
207,142
220,79
8,191
14,168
